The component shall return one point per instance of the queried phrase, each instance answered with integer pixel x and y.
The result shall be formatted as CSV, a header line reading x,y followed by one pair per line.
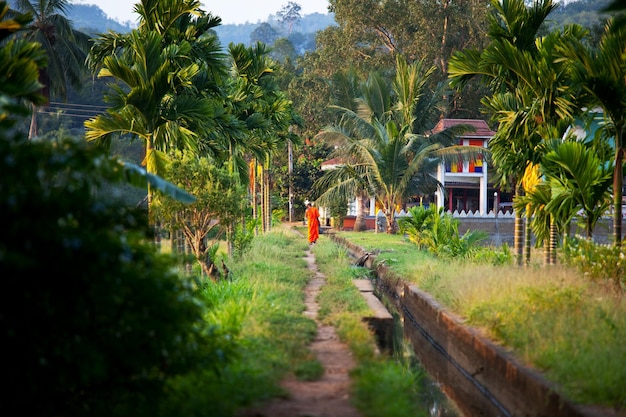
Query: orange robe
x,y
312,217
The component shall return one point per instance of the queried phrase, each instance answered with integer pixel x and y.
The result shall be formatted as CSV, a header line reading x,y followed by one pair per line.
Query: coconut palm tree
x,y
382,155
65,47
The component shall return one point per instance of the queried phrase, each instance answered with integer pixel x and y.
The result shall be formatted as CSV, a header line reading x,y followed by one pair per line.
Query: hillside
x,y
91,19
586,13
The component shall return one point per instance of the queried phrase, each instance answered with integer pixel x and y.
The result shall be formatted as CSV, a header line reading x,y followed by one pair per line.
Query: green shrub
x,y
438,232
598,262
495,256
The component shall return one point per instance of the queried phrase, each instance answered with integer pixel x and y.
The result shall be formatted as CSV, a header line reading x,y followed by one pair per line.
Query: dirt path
x,y
330,395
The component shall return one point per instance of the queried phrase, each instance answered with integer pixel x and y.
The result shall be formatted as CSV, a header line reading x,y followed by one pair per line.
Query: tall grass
x,y
383,385
261,311
554,318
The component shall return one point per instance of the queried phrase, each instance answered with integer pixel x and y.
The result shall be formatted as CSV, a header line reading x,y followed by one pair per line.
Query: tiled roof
x,y
481,127
331,163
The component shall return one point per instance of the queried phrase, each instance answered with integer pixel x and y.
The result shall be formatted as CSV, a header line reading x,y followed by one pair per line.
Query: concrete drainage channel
x,y
480,377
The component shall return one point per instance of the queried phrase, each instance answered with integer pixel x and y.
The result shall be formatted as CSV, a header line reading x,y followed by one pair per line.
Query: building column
x,y
439,197
483,191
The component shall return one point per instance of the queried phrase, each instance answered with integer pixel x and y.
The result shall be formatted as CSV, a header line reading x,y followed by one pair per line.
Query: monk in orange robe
x,y
313,220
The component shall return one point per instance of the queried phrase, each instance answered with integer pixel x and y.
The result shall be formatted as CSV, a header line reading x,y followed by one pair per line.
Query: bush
x,y
438,232
94,321
599,262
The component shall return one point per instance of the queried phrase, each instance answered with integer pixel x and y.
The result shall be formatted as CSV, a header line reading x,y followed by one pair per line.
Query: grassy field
x,y
262,309
553,317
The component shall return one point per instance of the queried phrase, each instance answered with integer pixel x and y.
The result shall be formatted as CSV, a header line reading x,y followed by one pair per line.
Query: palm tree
x,y
382,154
601,73
22,84
65,47
532,100
166,85
160,94
573,179
345,94
258,104
580,181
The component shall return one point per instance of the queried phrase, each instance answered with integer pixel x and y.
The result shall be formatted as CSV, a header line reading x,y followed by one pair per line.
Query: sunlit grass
x,y
382,385
265,302
553,317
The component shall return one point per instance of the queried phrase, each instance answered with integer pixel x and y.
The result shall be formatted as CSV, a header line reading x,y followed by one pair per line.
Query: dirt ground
x,y
330,395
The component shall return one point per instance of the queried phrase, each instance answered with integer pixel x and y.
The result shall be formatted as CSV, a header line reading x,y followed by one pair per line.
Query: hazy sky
x,y
231,11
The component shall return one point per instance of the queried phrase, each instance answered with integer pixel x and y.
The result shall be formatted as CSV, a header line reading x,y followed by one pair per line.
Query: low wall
x,y
500,229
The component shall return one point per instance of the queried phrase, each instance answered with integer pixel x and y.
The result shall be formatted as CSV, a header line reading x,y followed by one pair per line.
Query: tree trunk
x,y
553,241
361,207
255,202
33,131
518,236
618,179
267,200
527,240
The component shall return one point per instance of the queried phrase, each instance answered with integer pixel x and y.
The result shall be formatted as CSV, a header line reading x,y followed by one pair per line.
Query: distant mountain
x,y
90,19
308,25
586,13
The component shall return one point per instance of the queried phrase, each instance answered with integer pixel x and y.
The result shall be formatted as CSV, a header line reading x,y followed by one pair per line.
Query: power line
x,y
73,110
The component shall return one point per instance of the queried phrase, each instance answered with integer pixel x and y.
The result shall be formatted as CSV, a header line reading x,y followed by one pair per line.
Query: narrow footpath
x,y
330,395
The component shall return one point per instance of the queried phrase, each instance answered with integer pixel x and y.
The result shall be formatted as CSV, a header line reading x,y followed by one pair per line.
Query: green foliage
x,y
243,236
219,203
495,256
92,318
20,62
416,222
438,232
396,389
166,75
65,47
597,261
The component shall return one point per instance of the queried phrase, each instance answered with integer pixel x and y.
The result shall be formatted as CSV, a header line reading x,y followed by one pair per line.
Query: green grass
x,y
262,307
553,318
383,385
